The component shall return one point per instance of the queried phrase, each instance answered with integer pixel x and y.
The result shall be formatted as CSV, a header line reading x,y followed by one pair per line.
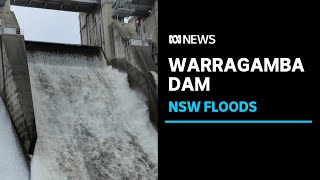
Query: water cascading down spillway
x,y
90,124
13,164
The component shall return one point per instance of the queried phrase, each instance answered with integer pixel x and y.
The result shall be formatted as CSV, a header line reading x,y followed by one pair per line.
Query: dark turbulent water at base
x,y
90,124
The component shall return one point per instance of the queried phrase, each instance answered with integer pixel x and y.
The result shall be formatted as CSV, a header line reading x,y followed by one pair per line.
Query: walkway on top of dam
x,y
136,7
63,5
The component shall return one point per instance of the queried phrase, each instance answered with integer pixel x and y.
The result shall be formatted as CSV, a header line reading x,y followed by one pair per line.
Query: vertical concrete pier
x,y
130,47
14,80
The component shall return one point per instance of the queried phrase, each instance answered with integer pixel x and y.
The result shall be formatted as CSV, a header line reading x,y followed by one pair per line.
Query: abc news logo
x,y
192,39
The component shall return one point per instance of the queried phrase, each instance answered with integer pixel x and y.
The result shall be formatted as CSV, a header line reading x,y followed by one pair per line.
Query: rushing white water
x,y
155,78
13,165
90,124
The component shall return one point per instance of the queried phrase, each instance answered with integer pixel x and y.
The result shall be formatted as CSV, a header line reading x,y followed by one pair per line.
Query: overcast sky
x,y
48,25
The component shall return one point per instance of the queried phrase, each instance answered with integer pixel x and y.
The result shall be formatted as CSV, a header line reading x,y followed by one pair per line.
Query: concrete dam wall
x,y
15,89
75,114
14,82
137,61
86,113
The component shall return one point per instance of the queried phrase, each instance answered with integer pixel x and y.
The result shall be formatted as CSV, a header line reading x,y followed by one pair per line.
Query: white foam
x,y
13,165
90,124
155,78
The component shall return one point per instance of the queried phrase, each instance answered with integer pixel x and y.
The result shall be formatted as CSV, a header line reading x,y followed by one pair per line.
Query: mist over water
x,y
13,165
90,124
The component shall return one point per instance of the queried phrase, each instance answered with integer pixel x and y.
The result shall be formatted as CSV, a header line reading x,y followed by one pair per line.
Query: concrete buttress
x,y
15,83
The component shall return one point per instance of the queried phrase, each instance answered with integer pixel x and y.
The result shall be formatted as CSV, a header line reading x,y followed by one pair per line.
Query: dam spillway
x,y
90,124
73,116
